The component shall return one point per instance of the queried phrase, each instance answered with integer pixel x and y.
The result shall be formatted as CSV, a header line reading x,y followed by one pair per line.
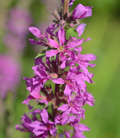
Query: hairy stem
x,y
66,7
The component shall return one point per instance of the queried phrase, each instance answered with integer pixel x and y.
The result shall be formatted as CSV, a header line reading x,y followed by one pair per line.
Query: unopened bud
x,y
53,75
56,14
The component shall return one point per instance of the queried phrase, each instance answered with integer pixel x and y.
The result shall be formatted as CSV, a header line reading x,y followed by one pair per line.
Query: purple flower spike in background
x,y
17,23
9,75
59,85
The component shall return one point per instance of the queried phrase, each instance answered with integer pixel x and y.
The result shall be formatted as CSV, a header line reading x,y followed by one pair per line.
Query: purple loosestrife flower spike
x,y
59,84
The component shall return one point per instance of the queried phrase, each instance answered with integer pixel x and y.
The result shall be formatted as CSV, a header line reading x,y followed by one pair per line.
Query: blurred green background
x,y
104,29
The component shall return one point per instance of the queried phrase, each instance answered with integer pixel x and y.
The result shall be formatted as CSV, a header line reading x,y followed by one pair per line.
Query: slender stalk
x,y
57,136
66,7
6,118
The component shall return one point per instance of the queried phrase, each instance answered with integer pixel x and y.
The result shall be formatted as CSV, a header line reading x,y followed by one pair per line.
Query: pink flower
x,y
73,106
35,84
79,129
81,12
64,46
82,61
42,128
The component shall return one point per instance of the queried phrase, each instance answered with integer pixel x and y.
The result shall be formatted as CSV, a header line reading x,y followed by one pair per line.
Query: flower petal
x,y
33,42
53,43
63,65
88,39
35,94
81,12
82,127
58,81
44,116
67,90
92,65
35,31
38,132
80,29
75,43
53,131
51,28
51,53
89,57
61,36
63,107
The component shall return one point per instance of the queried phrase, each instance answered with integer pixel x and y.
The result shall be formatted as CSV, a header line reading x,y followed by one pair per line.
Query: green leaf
x,y
60,129
40,55
49,106
53,86
71,32
67,68
38,106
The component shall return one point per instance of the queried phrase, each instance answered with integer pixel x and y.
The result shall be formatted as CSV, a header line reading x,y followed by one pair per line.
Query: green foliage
x,y
52,84
37,9
39,106
40,55
71,32
67,68
60,129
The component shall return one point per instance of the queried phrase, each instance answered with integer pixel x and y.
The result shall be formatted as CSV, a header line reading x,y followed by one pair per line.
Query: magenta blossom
x,y
36,127
35,84
41,128
64,46
81,12
82,61
64,118
79,129
88,98
74,107
75,81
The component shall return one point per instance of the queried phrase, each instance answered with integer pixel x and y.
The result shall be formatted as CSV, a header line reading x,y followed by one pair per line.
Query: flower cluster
x,y
60,76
